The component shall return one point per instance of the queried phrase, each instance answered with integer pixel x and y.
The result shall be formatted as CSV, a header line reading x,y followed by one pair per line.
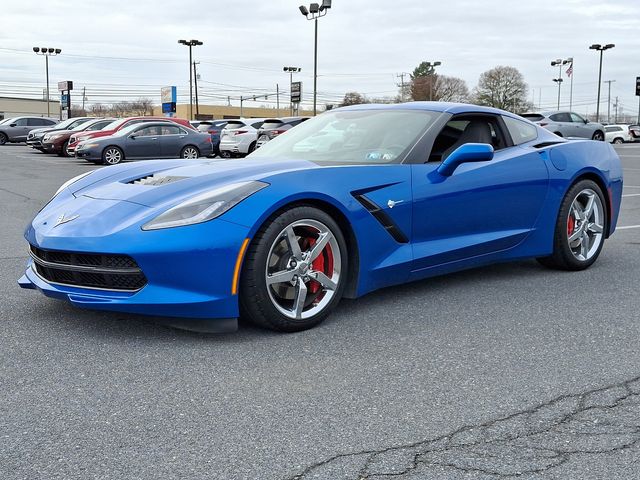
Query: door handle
x,y
154,138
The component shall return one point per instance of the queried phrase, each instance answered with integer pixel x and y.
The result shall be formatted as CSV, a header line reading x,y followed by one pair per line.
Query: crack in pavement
x,y
599,421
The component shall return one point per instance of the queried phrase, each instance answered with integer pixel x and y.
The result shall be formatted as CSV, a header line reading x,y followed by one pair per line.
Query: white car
x,y
618,134
239,137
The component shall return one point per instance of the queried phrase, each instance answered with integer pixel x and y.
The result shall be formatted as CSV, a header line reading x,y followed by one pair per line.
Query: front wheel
x,y
63,151
618,141
580,228
3,139
598,136
295,271
112,156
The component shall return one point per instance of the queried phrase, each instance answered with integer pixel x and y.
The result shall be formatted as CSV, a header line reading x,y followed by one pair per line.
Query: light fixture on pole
x,y
190,44
601,49
291,71
558,63
432,67
314,12
559,82
47,52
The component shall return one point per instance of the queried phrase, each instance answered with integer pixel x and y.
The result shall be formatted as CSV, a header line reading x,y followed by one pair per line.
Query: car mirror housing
x,y
469,152
12,125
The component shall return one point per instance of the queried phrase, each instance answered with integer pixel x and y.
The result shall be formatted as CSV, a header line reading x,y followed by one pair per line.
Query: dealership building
x,y
17,107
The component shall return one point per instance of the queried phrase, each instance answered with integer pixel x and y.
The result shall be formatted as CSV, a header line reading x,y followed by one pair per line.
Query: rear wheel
x,y
225,154
3,139
618,141
190,152
252,147
295,271
580,228
598,136
112,156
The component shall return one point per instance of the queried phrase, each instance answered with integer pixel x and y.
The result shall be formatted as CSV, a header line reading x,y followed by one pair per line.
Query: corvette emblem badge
x,y
64,219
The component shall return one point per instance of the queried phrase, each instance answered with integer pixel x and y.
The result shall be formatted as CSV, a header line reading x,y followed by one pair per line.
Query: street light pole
x,y
559,82
314,12
558,63
601,49
47,52
190,44
609,100
432,67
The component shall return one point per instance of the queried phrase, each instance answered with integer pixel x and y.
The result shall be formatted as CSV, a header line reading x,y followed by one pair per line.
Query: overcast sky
x,y
130,49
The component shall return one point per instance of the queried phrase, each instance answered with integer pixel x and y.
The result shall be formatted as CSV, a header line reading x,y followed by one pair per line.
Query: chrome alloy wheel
x,y
585,224
303,269
112,156
189,152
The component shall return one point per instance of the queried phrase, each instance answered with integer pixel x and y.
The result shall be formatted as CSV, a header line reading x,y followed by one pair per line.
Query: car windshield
x,y
6,120
83,125
352,137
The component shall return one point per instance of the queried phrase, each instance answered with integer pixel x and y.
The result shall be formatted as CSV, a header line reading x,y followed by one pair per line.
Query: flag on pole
x,y
570,70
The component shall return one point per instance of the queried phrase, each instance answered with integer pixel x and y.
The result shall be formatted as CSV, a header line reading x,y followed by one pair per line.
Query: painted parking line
x,y
628,227
631,195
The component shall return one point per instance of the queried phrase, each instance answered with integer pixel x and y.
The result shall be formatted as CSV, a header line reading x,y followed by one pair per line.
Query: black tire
x,y
110,155
3,139
63,152
225,153
563,257
252,147
598,136
618,141
256,304
186,152
558,134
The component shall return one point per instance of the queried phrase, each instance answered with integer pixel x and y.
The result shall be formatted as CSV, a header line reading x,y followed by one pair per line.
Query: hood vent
x,y
155,180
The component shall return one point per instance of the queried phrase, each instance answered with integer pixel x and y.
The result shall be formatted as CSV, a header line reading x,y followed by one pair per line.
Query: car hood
x,y
166,182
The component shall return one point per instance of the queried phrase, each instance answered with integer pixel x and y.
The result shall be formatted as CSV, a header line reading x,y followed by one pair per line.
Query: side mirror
x,y
12,125
586,120
134,135
469,152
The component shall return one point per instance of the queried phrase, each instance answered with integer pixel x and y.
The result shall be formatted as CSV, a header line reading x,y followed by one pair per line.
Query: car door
x,y
144,142
482,208
19,129
172,139
582,129
563,124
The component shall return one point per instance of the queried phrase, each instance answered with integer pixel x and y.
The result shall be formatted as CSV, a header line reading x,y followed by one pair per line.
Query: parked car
x,y
618,134
213,128
272,127
117,125
57,141
567,124
146,140
634,130
239,137
34,138
18,128
282,237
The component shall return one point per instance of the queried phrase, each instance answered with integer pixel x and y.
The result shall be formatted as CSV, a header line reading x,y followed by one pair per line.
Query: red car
x,y
116,125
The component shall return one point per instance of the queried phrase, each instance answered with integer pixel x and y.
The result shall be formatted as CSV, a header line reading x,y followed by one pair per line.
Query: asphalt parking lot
x,y
511,370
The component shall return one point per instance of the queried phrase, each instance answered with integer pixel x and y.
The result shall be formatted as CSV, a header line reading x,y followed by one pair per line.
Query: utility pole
x,y
615,106
84,96
195,84
402,84
277,100
609,101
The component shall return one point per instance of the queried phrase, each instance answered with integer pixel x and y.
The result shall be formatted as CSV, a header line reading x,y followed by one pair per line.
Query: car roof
x,y
442,107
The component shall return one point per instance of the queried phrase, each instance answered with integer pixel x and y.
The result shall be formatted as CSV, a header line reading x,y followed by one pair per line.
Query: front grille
x,y
107,272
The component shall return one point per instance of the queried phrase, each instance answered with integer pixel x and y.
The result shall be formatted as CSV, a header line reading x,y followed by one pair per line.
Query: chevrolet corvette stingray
x,y
382,195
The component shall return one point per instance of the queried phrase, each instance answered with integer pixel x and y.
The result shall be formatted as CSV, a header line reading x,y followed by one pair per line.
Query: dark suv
x,y
213,128
272,127
17,129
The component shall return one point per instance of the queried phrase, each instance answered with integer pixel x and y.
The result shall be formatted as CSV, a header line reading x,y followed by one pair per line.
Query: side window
x,y
99,125
576,118
467,129
148,131
170,130
521,132
22,122
560,117
257,124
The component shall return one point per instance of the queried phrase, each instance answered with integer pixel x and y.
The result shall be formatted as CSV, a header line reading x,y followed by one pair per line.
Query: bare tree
x,y
502,87
99,109
450,89
353,98
78,111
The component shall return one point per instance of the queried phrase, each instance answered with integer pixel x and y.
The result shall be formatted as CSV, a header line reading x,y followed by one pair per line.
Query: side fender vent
x,y
381,216
155,180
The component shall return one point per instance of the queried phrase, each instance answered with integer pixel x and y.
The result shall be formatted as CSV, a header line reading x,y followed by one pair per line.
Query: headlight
x,y
88,145
205,206
52,137
69,182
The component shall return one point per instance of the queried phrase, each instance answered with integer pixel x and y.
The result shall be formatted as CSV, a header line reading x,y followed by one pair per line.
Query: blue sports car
x,y
356,199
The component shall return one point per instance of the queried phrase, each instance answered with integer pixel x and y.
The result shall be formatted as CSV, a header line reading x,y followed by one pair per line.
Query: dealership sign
x,y
168,96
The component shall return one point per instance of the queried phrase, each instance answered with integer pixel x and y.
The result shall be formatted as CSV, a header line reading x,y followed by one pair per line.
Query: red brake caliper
x,y
571,225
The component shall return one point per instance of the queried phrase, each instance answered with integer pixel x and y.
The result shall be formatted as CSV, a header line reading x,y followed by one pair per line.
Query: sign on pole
x,y
638,86
296,92
168,97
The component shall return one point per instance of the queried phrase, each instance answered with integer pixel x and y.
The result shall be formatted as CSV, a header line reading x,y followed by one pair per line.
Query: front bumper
x,y
189,270
35,143
51,147
87,153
